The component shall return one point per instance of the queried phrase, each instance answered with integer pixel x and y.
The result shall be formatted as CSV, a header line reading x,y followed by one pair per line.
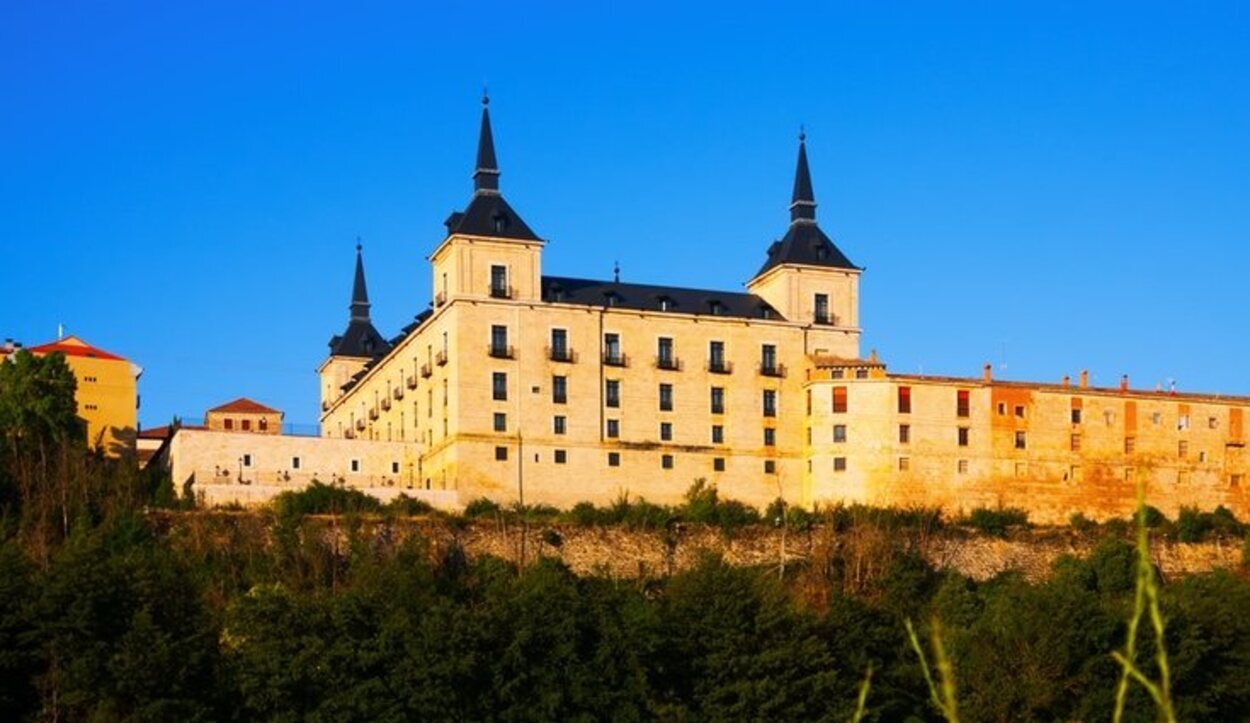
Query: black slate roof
x,y
645,297
488,214
360,339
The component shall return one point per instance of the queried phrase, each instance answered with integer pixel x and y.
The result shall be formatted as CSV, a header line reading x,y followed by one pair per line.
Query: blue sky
x,y
1049,186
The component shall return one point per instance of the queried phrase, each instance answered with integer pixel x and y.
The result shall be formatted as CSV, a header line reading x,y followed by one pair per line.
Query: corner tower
x,y
356,346
489,252
808,279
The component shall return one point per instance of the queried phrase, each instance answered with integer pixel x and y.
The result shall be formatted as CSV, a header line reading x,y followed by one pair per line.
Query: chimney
x,y
1084,379
1124,382
987,373
1067,381
872,357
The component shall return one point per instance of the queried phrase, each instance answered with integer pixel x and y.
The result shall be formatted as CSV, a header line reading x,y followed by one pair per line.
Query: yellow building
x,y
568,389
107,395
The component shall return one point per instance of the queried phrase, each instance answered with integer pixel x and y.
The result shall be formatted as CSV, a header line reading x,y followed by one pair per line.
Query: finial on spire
x,y
802,134
485,96
359,246
803,201
616,272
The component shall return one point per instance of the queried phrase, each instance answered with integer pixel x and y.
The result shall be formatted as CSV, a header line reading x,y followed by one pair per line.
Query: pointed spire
x,y
803,202
360,294
486,173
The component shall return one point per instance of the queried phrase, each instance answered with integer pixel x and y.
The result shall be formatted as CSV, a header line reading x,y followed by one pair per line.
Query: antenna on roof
x,y
616,272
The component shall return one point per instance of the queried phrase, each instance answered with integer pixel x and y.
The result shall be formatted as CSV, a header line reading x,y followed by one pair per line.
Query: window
x,y
498,340
716,357
821,305
962,466
1076,415
1019,411
1202,455
1182,449
770,437
718,434
1235,479
612,350
768,358
1074,473
295,463
962,397
559,390
770,467
1021,440
1074,443
839,433
664,358
666,431
718,464
614,459
1002,409
1213,423
666,461
718,400
355,465
839,464
560,345
499,386
499,282
1109,417
559,424
501,422
904,434
770,402
904,400
614,428
1182,422
964,433
861,373
612,392
904,464
837,374
561,456
839,400
1130,445
229,424
1156,419
501,454
247,460
263,425
666,397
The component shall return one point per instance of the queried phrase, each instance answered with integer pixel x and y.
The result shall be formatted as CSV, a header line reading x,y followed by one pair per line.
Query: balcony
x,y
373,413
426,370
386,404
502,292
773,370
398,393
325,406
564,354
826,319
669,363
501,352
720,366
412,382
615,359
360,425
440,357
440,298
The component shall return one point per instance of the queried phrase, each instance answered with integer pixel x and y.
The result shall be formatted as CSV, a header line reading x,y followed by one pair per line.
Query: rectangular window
x,y
1002,409
768,359
839,400
904,464
904,400
716,356
1075,442
1019,411
1234,480
499,340
612,392
770,402
839,433
839,464
666,431
559,390
1130,445
394,467
962,402
666,397
560,456
247,425
1182,422
821,304
666,461
718,434
501,454
962,466
964,433
612,350
718,400
501,422
718,464
904,434
229,424
861,373
560,345
664,358
295,463
499,282
1021,440
355,465
1182,449
614,459
499,386
1213,423
247,460
614,428
770,467
559,424
1076,416
770,437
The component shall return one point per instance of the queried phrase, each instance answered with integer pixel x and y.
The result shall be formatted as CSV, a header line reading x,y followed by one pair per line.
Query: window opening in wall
x,y
1182,449
1182,422
963,435
394,467
770,467
614,459
962,467
612,350
666,397
666,431
247,425
499,282
768,359
614,428
1076,416
904,400
962,402
560,345
904,464
839,400
718,400
904,434
1213,423
247,460
718,434
499,386
839,464
666,461
612,393
558,423
1130,445
560,456
501,422
1021,440
559,390
499,341
229,424
1020,411
295,463
664,357
501,454
1075,443
861,373
821,309
837,374
770,403
1002,409
355,466
839,433
1156,419
718,464
770,437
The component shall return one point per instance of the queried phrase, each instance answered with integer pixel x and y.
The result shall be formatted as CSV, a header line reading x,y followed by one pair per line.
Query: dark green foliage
x,y
324,499
996,521
1155,518
1079,522
704,505
408,507
481,507
1192,525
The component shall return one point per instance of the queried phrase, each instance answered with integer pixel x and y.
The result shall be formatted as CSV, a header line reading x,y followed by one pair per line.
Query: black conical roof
x,y
486,172
488,214
804,243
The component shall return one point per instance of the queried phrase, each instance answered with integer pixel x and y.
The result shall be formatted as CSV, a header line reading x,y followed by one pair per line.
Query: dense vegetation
x,y
108,612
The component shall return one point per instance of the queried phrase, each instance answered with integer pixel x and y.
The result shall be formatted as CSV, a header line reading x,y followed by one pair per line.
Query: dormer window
x,y
612,298
556,292
716,308
822,253
501,222
666,304
766,312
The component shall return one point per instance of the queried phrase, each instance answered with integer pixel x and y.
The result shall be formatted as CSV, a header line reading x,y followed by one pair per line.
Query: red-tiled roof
x,y
73,346
245,406
164,431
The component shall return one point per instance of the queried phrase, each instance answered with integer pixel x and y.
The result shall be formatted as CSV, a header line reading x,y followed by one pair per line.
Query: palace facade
x,y
560,390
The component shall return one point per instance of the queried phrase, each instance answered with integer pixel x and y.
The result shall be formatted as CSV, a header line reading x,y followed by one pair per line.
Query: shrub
x,y
481,507
997,521
703,505
797,518
1079,522
405,505
585,514
1154,517
322,499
